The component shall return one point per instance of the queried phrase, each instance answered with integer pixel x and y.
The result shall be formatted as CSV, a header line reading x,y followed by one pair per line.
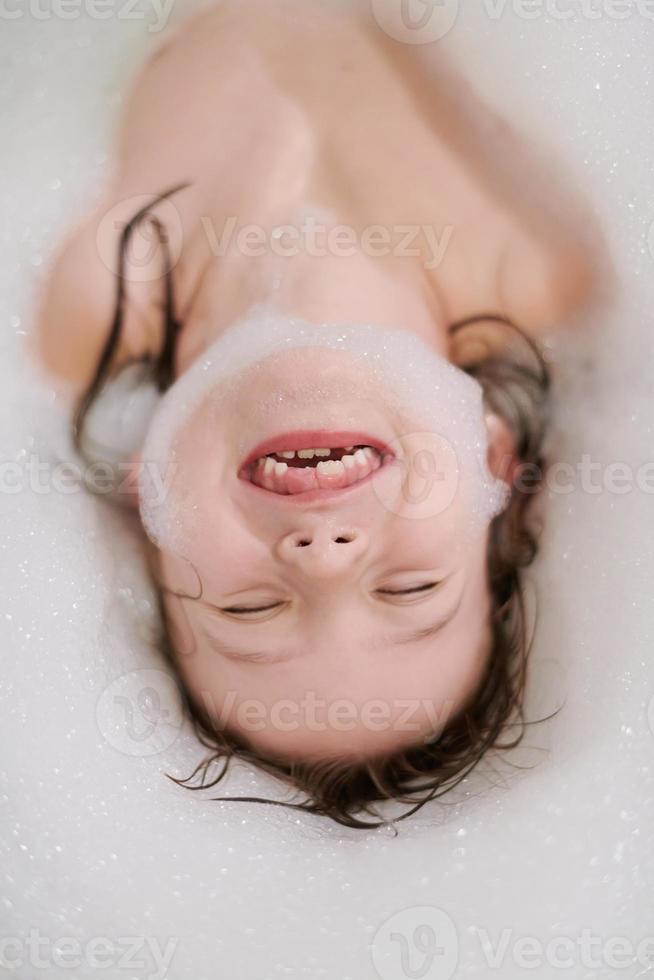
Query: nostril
x,y
346,538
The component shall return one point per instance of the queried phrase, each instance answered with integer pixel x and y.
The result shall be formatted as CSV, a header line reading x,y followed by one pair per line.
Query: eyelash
x,y
416,588
239,610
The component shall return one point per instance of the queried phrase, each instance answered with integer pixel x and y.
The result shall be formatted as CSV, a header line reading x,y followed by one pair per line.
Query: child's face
x,y
346,624
335,666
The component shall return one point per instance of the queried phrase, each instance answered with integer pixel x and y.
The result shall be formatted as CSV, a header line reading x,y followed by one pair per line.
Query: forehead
x,y
339,696
340,711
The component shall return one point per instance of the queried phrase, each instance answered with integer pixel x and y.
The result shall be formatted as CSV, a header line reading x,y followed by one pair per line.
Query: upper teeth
x,y
309,453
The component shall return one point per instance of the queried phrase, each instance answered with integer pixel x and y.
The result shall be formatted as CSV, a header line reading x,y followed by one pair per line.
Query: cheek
x,y
428,480
211,565
181,634
226,556
449,542
434,478
199,518
183,480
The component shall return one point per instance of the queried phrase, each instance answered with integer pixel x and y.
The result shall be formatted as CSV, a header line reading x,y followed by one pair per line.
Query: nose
x,y
323,552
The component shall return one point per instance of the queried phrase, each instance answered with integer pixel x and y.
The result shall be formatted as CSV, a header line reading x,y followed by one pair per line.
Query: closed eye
x,y
244,610
412,591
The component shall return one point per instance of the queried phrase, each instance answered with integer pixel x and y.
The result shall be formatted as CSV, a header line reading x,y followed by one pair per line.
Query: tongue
x,y
299,480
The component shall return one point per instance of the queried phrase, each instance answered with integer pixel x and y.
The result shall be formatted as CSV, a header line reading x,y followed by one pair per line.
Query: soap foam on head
x,y
399,372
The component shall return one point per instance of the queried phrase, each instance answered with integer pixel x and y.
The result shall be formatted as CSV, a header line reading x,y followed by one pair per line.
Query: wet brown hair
x,y
516,384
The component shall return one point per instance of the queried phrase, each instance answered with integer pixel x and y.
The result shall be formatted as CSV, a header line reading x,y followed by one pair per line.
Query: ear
x,y
502,460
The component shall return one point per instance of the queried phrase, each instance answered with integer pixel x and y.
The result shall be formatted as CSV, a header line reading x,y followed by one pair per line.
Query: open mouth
x,y
313,464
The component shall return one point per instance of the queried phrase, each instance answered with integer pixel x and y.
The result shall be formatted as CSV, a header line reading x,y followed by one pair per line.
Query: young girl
x,y
300,250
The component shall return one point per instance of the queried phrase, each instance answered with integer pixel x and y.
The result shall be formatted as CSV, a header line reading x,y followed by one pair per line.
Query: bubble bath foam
x,y
552,844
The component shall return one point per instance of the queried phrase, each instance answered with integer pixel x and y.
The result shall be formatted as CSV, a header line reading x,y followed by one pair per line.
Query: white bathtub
x,y
548,865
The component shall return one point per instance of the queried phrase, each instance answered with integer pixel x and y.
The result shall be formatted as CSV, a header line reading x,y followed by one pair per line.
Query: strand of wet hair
x,y
505,321
163,367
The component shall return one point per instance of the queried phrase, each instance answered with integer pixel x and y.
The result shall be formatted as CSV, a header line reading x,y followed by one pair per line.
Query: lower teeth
x,y
275,469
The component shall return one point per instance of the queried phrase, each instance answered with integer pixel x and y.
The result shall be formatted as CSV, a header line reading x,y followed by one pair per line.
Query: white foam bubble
x,y
395,369
118,421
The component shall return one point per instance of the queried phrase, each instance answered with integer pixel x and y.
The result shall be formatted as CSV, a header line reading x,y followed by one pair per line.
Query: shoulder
x,y
78,301
542,282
